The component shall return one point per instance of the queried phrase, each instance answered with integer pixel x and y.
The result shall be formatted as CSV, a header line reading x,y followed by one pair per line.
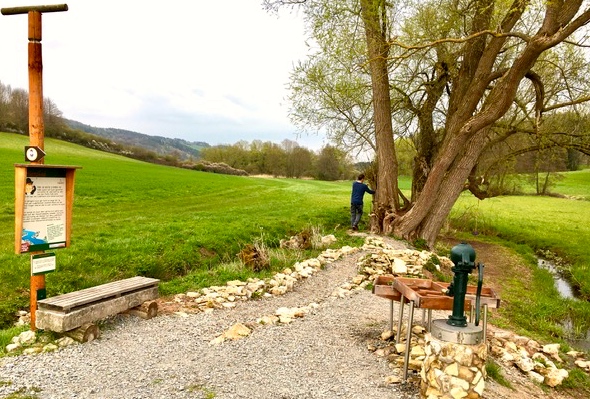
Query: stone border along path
x,y
313,344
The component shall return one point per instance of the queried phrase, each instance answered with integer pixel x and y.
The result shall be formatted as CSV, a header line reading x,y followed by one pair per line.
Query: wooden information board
x,y
44,195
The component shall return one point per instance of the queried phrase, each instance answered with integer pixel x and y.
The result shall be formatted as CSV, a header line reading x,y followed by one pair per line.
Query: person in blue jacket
x,y
359,188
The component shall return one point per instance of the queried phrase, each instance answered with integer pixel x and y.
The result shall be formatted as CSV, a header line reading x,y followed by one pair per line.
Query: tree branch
x,y
434,43
566,104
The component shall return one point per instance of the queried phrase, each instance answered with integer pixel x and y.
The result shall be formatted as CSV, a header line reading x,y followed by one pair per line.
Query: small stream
x,y
563,286
566,291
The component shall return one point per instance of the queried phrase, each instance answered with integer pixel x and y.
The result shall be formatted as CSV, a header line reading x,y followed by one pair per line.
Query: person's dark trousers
x,y
356,211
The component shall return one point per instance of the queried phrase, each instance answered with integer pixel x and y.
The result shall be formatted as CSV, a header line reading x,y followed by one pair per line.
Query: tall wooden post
x,y
36,128
36,125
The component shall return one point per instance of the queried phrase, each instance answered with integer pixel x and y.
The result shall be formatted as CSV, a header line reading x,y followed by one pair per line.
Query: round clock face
x,y
31,154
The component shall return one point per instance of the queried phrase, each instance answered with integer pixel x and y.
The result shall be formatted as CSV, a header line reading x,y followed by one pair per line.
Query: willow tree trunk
x,y
481,96
386,200
450,189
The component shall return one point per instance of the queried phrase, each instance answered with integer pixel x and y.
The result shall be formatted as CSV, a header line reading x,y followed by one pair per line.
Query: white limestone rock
x,y
399,267
65,341
555,377
237,331
33,350
536,377
553,351
12,347
526,364
27,337
50,347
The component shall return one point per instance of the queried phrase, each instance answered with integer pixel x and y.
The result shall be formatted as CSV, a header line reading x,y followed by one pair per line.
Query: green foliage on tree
x,y
472,84
287,159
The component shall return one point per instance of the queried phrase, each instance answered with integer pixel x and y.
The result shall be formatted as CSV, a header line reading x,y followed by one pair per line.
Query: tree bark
x,y
451,188
466,123
386,199
474,86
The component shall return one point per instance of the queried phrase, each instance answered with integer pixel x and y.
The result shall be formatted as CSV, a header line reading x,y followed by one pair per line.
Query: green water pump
x,y
463,257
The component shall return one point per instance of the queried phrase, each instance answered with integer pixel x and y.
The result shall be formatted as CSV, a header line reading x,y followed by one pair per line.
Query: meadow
x,y
555,227
559,225
186,227
135,218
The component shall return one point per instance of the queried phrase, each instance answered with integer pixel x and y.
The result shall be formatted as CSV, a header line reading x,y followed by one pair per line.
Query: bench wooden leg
x,y
86,333
146,310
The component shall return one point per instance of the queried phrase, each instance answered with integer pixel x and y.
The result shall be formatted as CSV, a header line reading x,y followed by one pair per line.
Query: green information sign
x,y
42,263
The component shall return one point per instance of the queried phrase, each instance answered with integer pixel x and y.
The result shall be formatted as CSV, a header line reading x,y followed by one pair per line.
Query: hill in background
x,y
179,148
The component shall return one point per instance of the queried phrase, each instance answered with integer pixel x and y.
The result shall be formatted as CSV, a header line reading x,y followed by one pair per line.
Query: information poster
x,y
44,219
42,263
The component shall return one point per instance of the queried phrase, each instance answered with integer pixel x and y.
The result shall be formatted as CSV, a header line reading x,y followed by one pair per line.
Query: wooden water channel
x,y
427,295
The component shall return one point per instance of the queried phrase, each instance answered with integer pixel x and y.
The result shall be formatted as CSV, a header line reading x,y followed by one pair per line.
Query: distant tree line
x,y
287,159
14,118
14,112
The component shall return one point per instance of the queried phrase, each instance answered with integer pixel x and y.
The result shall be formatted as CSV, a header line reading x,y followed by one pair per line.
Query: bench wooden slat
x,y
75,299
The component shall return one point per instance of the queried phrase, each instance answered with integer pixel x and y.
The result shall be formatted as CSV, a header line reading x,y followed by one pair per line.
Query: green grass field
x,y
135,218
186,227
530,224
559,225
574,184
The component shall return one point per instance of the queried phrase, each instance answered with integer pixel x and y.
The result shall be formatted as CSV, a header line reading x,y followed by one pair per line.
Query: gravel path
x,y
322,355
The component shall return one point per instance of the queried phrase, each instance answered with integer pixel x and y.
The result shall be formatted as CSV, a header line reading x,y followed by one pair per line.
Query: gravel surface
x,y
322,355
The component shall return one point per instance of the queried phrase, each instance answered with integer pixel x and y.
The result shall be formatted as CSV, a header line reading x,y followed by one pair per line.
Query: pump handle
x,y
480,267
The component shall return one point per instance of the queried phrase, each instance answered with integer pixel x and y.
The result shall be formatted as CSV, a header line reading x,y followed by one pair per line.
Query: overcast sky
x,y
213,71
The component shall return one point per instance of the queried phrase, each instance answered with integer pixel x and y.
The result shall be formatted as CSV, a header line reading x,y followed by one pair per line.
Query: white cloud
x,y
199,70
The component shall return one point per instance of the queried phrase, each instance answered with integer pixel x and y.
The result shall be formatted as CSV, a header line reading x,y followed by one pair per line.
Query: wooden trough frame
x,y
428,295
64,313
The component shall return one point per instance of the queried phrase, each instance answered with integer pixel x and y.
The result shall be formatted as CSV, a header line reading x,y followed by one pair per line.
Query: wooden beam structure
x,y
36,126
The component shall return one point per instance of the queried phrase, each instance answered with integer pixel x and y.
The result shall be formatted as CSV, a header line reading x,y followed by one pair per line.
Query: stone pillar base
x,y
452,370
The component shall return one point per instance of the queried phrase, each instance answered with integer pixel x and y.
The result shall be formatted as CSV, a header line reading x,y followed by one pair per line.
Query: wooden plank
x,y
106,289
491,302
424,292
406,287
387,291
386,279
97,292
75,299
488,295
383,287
428,294
439,286
414,282
441,302
48,319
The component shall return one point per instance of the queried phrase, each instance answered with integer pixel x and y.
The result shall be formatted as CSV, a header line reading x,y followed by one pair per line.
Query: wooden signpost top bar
x,y
27,9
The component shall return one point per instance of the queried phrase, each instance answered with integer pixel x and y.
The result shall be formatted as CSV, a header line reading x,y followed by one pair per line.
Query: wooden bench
x,y
66,312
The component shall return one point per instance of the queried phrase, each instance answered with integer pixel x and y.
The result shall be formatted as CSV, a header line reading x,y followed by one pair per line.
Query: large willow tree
x,y
462,79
